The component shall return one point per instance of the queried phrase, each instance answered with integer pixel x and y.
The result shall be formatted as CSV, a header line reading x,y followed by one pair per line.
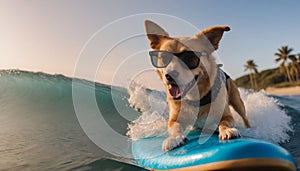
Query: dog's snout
x,y
170,76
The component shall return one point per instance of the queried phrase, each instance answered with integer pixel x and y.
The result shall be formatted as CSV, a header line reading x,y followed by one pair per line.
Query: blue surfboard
x,y
236,154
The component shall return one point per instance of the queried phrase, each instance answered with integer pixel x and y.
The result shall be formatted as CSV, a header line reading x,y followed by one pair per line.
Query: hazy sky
x,y
49,35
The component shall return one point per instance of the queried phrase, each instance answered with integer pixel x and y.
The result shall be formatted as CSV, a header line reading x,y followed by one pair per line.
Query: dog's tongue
x,y
174,91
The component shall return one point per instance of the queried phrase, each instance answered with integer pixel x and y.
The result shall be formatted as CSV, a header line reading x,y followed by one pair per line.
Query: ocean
x,y
42,126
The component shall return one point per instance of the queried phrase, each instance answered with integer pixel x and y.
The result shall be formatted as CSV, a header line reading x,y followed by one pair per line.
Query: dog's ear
x,y
214,34
155,34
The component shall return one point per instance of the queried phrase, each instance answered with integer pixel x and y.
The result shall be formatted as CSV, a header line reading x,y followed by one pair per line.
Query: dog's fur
x,y
180,112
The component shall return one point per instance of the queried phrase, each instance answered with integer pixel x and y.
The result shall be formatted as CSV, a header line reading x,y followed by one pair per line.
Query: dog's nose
x,y
170,76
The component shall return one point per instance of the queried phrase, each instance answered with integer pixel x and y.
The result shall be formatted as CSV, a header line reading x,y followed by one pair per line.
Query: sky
x,y
104,41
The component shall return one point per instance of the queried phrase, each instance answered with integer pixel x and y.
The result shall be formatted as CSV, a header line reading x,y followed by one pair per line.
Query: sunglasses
x,y
161,59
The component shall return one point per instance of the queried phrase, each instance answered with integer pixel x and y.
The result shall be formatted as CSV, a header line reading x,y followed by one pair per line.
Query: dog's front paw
x,y
229,133
173,142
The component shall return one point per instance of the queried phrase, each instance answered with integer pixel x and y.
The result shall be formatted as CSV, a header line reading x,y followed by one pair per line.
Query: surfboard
x,y
237,154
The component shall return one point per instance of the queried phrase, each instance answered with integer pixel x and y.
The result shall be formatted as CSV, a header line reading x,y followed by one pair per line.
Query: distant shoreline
x,y
285,91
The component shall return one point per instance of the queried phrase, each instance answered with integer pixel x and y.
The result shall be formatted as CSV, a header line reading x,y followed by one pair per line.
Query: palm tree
x,y
298,61
284,54
252,67
294,67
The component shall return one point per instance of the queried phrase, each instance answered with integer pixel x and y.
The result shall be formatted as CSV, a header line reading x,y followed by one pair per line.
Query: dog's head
x,y
186,61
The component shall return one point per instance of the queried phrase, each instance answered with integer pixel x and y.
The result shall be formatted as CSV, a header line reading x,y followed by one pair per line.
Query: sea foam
x,y
269,122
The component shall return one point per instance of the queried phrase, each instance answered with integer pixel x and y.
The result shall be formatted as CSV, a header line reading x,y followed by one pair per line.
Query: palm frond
x,y
278,59
292,58
277,54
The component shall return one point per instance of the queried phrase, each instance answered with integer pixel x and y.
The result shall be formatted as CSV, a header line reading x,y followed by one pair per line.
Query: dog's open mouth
x,y
178,92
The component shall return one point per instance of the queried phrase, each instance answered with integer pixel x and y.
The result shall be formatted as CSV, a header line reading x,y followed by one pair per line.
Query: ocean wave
x,y
37,112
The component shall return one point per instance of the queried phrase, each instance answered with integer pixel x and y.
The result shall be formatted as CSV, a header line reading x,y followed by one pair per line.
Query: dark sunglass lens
x,y
190,59
154,58
160,59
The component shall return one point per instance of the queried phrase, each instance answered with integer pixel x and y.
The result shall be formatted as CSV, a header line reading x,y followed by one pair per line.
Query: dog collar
x,y
214,91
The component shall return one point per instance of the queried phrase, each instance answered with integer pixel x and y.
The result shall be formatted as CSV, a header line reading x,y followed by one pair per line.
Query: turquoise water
x,y
39,129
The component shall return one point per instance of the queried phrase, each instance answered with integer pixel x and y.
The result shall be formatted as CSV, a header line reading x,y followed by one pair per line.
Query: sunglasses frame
x,y
154,53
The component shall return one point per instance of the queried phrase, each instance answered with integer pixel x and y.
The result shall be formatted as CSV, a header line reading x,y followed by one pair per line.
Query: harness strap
x,y
214,91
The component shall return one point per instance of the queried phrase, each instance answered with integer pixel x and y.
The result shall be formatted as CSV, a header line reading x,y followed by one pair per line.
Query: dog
x,y
194,83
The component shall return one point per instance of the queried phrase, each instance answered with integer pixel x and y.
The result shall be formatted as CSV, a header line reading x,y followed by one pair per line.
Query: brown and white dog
x,y
194,83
